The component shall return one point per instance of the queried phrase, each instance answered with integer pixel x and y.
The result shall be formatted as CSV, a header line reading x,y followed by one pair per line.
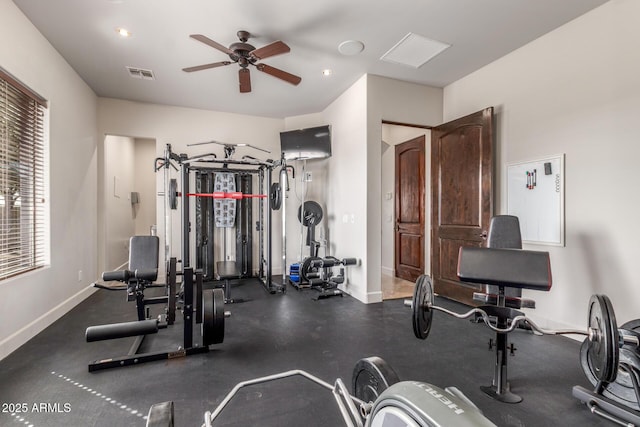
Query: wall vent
x,y
140,73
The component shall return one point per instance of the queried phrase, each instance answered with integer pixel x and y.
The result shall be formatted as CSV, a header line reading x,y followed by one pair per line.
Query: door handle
x,y
484,235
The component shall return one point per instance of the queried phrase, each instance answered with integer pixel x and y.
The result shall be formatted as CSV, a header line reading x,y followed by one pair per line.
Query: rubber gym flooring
x,y
48,381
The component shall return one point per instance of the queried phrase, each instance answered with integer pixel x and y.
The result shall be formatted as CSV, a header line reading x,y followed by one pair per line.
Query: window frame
x,y
24,215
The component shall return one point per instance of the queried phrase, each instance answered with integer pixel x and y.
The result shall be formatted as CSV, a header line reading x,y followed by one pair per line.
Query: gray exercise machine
x,y
378,399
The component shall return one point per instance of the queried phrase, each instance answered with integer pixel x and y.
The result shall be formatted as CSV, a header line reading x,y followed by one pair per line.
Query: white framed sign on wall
x,y
535,194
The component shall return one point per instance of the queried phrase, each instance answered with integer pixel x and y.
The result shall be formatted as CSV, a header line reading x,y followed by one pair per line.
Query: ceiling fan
x,y
244,55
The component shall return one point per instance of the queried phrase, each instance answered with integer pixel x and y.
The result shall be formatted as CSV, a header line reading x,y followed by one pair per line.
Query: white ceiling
x,y
83,31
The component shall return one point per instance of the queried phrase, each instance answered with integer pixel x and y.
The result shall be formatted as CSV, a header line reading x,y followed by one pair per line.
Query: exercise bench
x,y
504,268
142,272
504,233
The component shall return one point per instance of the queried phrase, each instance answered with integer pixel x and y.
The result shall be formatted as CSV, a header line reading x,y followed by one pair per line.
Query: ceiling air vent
x,y
414,50
140,73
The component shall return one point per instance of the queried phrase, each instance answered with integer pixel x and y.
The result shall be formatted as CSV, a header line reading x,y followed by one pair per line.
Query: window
x,y
22,178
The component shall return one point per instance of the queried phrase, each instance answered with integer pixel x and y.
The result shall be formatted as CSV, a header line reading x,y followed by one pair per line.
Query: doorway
x,y
129,196
394,134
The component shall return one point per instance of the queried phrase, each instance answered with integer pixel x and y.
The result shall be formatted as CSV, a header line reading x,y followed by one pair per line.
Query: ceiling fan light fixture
x,y
350,47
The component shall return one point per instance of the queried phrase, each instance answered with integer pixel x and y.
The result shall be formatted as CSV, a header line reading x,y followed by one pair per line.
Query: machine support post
x,y
184,171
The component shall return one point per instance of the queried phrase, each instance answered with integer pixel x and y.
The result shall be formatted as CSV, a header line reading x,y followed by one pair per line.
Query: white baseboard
x,y
367,298
20,337
388,271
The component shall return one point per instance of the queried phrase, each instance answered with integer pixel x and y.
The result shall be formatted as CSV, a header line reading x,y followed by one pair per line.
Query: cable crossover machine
x,y
224,195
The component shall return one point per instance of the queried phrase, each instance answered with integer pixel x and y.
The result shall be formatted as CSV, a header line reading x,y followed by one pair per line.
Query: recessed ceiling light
x,y
123,32
327,72
350,47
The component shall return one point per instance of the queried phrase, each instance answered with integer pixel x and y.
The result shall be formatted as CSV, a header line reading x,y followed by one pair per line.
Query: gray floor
x,y
270,334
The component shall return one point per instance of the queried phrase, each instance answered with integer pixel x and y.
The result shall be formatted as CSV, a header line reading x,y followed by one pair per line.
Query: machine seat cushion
x,y
505,267
226,270
143,256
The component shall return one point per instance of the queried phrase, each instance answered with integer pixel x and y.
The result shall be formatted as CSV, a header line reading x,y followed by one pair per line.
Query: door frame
x,y
388,224
408,272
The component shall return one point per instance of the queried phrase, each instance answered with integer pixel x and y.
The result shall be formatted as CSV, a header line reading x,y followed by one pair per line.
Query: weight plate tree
x,y
371,376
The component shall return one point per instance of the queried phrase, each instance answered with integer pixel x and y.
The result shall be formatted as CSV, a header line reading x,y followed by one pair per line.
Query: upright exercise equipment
x,y
204,308
319,274
525,270
377,399
206,165
310,214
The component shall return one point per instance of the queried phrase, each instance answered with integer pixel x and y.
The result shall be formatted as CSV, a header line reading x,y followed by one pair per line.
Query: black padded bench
x,y
142,272
504,268
504,233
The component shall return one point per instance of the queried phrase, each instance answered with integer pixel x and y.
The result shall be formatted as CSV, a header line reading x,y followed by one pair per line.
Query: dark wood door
x,y
461,197
410,202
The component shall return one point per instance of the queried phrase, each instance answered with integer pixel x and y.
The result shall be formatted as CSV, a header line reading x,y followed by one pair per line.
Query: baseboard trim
x,y
24,334
388,271
366,298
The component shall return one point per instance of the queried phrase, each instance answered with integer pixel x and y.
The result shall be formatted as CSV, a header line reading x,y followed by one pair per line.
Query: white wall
x,y
119,183
181,126
31,302
397,101
347,173
316,190
574,91
145,185
354,171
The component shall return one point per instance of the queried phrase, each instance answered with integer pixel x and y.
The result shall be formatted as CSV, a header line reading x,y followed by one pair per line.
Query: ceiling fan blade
x,y
245,80
272,49
206,66
206,40
282,75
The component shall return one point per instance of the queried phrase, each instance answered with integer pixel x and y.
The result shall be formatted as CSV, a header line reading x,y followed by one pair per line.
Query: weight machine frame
x,y
203,163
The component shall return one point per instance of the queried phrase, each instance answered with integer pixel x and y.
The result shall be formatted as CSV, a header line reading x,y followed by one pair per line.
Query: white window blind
x,y
22,186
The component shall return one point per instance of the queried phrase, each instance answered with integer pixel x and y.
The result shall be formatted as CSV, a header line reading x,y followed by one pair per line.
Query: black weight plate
x,y
422,302
603,352
312,213
306,269
212,317
275,196
621,390
173,194
371,376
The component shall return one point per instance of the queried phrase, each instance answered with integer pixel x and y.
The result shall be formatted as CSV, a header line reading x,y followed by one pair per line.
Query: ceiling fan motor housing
x,y
241,50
